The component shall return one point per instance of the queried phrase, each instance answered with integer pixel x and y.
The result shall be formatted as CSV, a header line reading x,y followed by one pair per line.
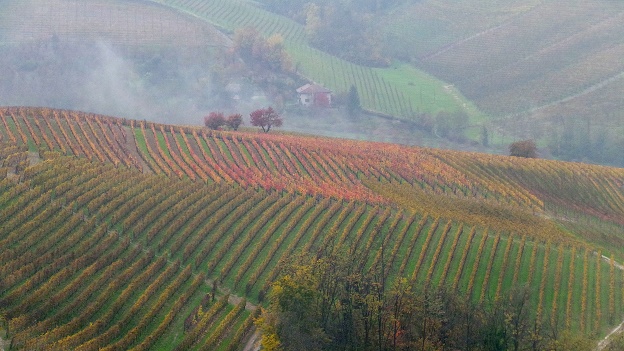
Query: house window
x,y
307,100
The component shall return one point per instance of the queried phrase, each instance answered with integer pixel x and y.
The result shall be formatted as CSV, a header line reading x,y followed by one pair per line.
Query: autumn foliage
x,y
137,215
214,120
265,118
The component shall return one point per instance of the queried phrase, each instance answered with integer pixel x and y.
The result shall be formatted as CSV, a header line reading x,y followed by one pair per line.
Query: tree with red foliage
x,y
265,118
234,121
214,120
524,148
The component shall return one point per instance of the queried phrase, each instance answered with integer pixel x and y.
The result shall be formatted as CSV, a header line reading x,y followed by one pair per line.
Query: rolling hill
x,y
126,234
538,69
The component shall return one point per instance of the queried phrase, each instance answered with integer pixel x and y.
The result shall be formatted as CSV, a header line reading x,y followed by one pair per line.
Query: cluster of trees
x,y
576,139
523,148
265,118
292,8
449,125
267,65
217,120
345,31
258,50
343,28
333,303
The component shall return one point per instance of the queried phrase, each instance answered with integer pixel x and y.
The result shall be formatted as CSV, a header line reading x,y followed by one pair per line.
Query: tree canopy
x,y
332,302
524,148
265,118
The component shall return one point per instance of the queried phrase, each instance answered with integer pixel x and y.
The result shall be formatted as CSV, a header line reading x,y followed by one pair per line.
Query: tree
x,y
214,120
234,121
265,118
485,137
270,53
524,148
451,125
353,101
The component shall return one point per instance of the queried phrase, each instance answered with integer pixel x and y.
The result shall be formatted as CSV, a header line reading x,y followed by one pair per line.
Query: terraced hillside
x,y
539,56
400,91
534,58
116,22
135,232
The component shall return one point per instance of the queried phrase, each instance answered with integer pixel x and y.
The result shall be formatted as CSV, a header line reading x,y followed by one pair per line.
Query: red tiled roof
x,y
312,89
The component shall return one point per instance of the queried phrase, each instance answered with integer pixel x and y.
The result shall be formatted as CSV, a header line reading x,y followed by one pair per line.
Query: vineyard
x,y
140,234
399,91
116,22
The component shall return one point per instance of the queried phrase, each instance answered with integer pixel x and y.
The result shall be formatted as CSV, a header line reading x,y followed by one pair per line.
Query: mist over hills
x,y
111,57
147,231
540,69
533,70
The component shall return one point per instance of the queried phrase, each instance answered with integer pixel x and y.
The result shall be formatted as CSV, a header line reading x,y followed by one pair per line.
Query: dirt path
x,y
607,339
130,146
586,91
4,344
253,344
602,344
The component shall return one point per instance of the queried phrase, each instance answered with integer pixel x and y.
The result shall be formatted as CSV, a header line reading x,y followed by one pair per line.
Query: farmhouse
x,y
314,95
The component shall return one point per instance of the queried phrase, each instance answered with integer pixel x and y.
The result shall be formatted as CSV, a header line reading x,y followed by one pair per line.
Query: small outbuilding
x,y
314,95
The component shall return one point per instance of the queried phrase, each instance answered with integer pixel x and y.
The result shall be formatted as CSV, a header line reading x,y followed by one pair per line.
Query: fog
x,y
156,83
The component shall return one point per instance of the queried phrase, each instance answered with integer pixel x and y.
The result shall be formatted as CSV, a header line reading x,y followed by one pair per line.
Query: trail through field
x,y
585,91
130,145
462,41
617,330
607,339
3,344
253,343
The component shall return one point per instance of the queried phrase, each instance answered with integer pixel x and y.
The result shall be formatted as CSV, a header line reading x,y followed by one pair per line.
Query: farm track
x,y
588,90
602,344
454,45
253,344
131,147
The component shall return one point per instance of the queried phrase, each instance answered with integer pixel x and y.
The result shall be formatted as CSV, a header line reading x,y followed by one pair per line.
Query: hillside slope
x,y
153,214
400,91
540,69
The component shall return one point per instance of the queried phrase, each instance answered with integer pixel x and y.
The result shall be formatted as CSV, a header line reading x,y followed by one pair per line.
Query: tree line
x,y
331,302
265,118
344,28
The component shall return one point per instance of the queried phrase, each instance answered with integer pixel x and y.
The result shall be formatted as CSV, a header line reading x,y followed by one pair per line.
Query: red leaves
x,y
214,120
265,118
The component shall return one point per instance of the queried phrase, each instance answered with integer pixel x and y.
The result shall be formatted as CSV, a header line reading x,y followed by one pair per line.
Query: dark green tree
x,y
524,148
353,101
485,137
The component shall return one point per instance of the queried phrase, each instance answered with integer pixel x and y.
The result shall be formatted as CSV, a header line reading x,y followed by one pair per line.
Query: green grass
x,y
454,266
